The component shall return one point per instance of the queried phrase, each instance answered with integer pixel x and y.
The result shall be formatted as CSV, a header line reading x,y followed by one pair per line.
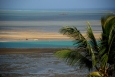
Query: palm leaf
x,y
104,60
63,53
78,38
111,44
109,20
89,53
108,36
111,39
81,42
95,74
92,38
108,23
93,47
73,58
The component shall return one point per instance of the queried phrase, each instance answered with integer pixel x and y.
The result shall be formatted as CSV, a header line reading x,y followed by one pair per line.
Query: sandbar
x,y
26,35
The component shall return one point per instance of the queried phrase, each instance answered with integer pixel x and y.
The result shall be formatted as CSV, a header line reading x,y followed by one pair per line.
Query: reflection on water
x,y
35,65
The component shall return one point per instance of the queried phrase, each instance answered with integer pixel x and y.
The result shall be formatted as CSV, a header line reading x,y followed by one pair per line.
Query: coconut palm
x,y
89,52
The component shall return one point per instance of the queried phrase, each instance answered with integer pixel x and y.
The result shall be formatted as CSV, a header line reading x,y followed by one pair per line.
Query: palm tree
x,y
89,52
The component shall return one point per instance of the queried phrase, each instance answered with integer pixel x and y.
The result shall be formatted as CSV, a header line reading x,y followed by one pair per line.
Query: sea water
x,y
46,21
36,65
42,64
37,44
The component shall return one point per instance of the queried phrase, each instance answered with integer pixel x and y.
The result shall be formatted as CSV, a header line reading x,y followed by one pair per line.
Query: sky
x,y
56,4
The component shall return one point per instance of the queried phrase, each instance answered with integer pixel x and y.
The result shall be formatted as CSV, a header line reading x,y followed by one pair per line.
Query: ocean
x,y
37,44
13,22
15,25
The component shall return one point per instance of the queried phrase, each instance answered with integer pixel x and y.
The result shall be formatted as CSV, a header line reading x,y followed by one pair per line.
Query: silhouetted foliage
x,y
92,53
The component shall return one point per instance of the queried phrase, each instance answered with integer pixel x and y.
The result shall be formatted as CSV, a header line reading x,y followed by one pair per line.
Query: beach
x,y
21,36
27,50
46,30
32,62
29,39
30,35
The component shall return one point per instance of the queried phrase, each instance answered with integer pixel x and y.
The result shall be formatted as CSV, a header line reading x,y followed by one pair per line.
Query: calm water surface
x,y
37,44
48,21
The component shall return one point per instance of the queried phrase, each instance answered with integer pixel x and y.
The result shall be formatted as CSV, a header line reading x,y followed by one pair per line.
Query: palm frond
x,y
81,42
104,19
89,53
63,53
71,32
95,74
102,52
74,58
108,23
74,33
109,19
104,60
92,38
111,44
93,47
111,39
108,38
93,58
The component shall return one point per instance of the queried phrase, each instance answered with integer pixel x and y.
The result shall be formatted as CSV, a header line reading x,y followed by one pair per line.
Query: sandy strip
x,y
37,36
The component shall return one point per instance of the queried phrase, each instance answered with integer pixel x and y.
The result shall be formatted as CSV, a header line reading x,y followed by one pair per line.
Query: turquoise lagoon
x,y
37,44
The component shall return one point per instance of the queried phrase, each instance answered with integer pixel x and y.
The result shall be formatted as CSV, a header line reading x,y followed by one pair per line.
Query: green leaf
x,y
95,74
63,53
75,34
104,60
92,38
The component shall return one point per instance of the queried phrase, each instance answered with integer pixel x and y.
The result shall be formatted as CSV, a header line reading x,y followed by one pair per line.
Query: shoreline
x,y
46,64
36,39
28,50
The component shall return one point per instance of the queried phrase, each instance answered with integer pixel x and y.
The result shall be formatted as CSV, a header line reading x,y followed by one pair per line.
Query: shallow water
x,y
37,44
35,65
48,21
